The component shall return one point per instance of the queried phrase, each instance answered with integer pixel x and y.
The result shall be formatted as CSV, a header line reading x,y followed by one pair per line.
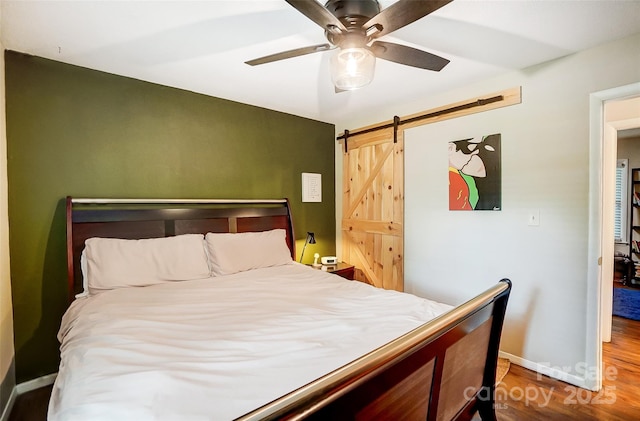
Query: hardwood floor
x,y
526,395
523,395
31,406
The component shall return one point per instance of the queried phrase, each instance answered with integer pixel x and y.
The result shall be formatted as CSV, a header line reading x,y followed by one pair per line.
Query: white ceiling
x,y
202,45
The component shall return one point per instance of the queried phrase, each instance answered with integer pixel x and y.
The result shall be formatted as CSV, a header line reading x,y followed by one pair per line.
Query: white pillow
x,y
232,253
83,270
117,263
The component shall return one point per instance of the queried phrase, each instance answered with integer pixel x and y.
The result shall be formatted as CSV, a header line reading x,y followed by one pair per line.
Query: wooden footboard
x,y
443,370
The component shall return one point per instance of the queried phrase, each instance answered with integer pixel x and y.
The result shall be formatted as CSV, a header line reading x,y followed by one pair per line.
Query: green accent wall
x,y
84,133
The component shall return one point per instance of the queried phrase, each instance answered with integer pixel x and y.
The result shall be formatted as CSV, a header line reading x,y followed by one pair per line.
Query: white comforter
x,y
217,348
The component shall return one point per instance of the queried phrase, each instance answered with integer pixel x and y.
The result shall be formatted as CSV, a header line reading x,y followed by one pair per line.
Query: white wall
x,y
629,148
450,256
6,313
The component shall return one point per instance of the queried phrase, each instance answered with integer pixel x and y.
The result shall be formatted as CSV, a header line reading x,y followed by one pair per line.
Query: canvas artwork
x,y
475,180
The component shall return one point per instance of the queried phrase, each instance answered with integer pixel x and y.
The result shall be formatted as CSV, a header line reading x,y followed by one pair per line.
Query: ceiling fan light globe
x,y
352,68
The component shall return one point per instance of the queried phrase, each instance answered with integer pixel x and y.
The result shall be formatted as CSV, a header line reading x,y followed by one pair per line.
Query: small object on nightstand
x,y
315,260
329,260
341,269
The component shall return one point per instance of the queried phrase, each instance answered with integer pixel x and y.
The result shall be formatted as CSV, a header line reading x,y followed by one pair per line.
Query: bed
x,y
207,316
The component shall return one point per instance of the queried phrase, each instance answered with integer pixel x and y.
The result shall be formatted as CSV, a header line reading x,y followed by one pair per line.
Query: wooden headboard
x,y
153,218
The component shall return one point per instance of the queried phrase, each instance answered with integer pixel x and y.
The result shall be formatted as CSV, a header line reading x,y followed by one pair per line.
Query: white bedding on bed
x,y
217,348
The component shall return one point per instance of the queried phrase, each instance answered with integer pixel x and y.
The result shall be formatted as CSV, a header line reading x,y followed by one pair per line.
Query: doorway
x,y
603,156
620,117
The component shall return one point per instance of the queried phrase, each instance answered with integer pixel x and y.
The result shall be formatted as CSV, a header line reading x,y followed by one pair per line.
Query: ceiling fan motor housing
x,y
353,15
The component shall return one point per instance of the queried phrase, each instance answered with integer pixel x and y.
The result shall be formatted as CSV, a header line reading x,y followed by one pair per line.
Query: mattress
x,y
217,348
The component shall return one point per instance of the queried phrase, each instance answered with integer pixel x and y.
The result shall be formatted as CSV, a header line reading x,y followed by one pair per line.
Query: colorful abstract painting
x,y
475,179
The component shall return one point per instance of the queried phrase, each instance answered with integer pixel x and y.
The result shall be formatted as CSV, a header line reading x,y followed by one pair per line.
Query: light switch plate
x,y
311,187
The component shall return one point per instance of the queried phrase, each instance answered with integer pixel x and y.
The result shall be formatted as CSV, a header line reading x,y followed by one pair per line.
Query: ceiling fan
x,y
352,27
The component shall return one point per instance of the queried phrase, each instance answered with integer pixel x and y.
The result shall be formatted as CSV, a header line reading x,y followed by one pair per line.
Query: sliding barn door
x,y
373,207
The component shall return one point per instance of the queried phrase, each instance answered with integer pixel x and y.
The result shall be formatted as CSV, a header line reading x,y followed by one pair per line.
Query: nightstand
x,y
341,269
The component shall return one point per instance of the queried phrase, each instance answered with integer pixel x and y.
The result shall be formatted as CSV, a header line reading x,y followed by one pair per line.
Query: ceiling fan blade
x,y
290,54
400,14
319,14
408,56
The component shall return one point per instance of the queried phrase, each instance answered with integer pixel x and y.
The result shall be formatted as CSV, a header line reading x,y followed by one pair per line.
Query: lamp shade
x,y
352,68
311,238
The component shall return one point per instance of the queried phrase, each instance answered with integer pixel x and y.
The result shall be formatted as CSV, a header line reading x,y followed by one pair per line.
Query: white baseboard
x,y
7,409
36,383
552,372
